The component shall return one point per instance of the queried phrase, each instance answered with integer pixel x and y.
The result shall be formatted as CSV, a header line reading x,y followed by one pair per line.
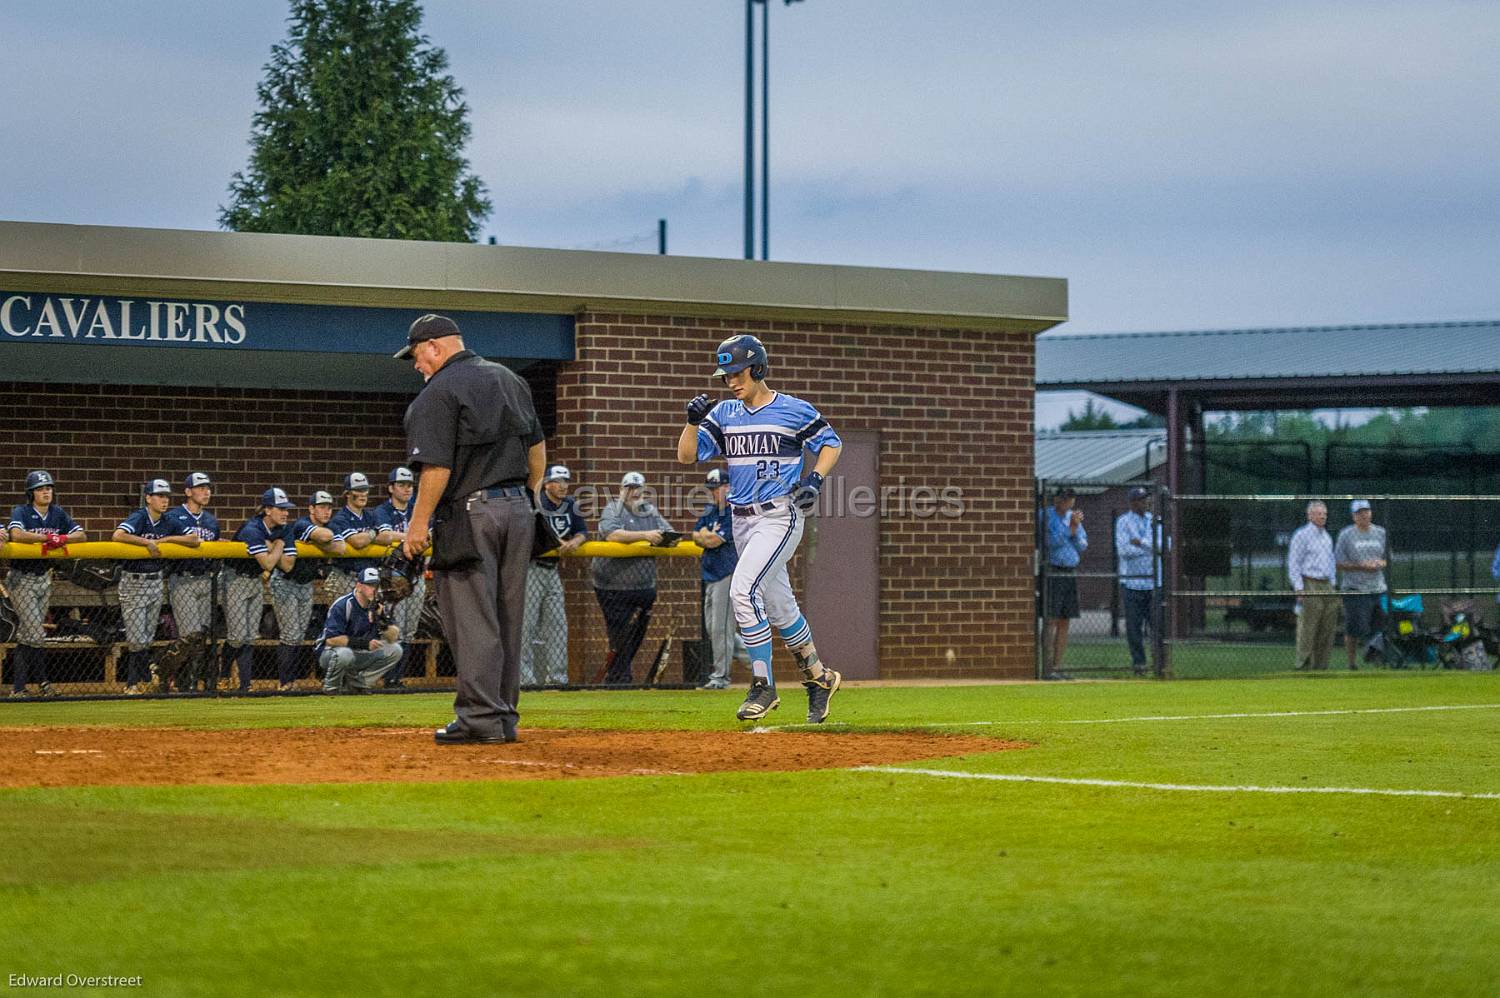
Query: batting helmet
x,y
740,352
37,480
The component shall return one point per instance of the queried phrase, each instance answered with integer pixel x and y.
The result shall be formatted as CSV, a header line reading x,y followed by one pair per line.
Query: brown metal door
x,y
842,549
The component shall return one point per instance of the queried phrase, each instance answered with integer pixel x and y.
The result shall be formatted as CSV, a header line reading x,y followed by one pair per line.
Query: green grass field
x,y
823,882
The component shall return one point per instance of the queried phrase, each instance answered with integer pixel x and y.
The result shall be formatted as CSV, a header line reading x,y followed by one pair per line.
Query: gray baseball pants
x,y
482,608
345,668
544,645
718,618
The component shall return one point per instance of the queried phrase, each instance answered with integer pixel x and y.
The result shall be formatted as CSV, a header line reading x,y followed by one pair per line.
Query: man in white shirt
x,y
1137,545
1310,568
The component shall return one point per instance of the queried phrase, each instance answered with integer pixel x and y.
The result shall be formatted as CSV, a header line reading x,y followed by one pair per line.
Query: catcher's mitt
x,y
399,575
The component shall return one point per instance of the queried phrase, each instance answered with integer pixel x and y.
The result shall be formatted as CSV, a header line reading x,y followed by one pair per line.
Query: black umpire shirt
x,y
475,418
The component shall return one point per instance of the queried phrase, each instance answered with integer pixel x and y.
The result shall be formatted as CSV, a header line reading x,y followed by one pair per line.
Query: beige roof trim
x,y
89,259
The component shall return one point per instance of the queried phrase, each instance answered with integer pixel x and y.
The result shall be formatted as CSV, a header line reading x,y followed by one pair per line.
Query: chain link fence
x,y
1197,586
83,624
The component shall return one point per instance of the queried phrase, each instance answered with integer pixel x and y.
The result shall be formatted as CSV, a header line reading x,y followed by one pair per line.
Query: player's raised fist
x,y
805,495
698,408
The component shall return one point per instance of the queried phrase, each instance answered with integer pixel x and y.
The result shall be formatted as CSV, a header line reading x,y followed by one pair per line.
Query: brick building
x,y
263,359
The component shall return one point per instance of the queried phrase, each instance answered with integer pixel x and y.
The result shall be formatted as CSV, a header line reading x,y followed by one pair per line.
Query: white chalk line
x,y
1179,787
1150,717
76,751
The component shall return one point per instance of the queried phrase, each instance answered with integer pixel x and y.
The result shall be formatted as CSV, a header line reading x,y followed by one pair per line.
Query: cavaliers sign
x,y
41,318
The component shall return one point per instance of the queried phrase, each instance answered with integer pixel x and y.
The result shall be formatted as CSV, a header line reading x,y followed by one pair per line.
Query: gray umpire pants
x,y
718,618
544,642
482,608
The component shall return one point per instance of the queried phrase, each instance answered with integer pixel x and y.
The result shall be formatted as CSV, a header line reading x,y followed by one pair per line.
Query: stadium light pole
x,y
765,127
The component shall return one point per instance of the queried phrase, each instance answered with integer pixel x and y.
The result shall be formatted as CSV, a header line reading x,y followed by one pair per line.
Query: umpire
x,y
473,435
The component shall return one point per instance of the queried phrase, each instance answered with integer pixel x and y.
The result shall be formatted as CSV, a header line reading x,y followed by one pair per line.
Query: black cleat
x,y
819,692
759,702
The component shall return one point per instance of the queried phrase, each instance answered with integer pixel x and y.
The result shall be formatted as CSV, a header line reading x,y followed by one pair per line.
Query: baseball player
x,y
37,521
544,629
356,647
714,533
292,584
141,581
762,434
190,581
355,525
266,538
390,520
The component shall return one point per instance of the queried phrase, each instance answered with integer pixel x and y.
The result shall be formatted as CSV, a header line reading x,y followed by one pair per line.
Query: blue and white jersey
x,y
257,536
763,446
345,523
55,521
204,526
141,525
301,572
388,517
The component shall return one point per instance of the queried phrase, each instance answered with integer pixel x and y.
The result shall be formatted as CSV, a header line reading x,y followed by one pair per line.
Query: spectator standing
x,y
37,521
266,539
1310,569
355,525
391,518
1362,552
626,587
1137,550
1065,540
714,533
190,581
293,581
141,593
544,631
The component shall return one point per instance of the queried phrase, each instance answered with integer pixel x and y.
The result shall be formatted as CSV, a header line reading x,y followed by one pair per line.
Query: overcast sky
x,y
1183,164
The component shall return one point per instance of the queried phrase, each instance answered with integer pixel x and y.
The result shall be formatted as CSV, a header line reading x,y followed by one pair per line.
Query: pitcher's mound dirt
x,y
62,757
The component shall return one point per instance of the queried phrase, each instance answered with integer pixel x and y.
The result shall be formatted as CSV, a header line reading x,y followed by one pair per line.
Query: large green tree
x,y
360,132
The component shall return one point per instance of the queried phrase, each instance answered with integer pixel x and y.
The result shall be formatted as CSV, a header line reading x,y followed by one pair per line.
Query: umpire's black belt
x,y
1065,569
497,492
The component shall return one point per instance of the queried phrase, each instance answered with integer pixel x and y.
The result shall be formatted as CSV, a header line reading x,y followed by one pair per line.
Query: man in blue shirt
x,y
544,628
190,581
355,525
140,581
714,533
266,538
1137,548
357,647
1066,540
37,521
292,585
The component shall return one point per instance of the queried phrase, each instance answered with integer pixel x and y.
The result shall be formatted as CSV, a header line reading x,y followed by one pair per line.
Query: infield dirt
x,y
99,756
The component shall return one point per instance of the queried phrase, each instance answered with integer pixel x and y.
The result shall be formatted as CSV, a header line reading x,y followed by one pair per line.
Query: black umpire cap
x,y
427,327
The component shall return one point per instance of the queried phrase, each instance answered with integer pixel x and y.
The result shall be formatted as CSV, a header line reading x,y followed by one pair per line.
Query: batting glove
x,y
698,408
805,495
54,542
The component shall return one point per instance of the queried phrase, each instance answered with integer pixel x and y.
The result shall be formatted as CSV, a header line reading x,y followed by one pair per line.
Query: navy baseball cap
x,y
402,474
428,327
196,480
1140,492
370,576
715,478
558,473
320,498
356,481
157,487
276,498
38,480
